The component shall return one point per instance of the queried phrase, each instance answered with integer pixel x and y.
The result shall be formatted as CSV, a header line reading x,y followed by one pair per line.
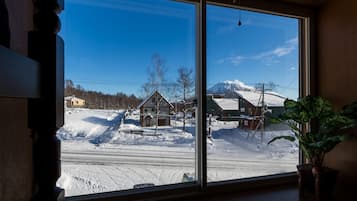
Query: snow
x,y
87,124
227,103
149,97
102,151
228,85
270,99
72,98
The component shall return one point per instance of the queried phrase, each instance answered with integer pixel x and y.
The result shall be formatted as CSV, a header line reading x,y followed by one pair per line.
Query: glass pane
x,y
252,67
129,117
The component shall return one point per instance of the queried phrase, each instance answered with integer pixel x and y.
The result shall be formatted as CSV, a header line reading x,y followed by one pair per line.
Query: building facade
x,y
72,101
155,110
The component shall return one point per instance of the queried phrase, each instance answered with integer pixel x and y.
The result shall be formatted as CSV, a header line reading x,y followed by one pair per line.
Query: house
x,y
222,107
251,109
332,44
188,107
155,110
246,108
72,101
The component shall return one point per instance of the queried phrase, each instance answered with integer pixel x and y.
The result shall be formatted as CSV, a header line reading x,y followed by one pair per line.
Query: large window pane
x,y
252,67
129,117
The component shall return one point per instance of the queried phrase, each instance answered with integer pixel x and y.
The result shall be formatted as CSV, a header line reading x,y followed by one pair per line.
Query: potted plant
x,y
328,128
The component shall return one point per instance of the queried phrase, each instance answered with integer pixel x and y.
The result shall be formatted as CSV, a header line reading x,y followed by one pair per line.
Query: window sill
x,y
287,192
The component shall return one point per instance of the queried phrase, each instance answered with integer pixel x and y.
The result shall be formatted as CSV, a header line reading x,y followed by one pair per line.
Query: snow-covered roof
x,y
148,98
271,99
227,103
72,98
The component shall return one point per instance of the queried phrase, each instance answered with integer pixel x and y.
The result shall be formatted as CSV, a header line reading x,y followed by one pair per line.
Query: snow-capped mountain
x,y
229,87
232,89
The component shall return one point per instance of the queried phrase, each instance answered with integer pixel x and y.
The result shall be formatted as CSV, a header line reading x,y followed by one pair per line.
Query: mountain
x,y
229,88
232,89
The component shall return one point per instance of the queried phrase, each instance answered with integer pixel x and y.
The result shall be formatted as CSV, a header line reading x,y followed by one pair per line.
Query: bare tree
x,y
156,75
186,85
185,82
69,87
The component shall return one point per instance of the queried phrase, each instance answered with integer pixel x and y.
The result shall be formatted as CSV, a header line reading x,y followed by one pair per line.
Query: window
x,y
255,57
115,64
123,57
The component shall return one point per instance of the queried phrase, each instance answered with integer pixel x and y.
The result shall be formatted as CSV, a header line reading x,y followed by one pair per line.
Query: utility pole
x,y
261,118
238,111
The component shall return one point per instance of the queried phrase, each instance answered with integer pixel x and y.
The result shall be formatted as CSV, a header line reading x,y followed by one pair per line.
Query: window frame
x,y
307,85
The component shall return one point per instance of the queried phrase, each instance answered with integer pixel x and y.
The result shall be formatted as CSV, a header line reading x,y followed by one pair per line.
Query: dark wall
x,y
337,76
15,141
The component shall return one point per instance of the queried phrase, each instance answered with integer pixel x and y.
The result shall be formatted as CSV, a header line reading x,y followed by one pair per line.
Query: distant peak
x,y
230,86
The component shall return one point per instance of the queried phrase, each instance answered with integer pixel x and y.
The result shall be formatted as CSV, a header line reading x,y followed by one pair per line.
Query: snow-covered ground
x,y
102,151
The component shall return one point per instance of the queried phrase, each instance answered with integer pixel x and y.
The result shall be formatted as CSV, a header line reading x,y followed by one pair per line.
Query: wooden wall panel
x,y
337,53
15,142
15,151
337,76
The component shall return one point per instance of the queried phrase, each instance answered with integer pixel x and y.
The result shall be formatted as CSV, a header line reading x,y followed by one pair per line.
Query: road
x,y
142,157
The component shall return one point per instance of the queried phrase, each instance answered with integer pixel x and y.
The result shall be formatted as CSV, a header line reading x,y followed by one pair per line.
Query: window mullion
x,y
201,150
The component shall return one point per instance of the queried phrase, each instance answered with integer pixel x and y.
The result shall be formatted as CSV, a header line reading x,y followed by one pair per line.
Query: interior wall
x,y
15,141
337,76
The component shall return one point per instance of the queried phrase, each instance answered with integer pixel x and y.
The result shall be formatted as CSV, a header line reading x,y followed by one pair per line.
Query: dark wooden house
x,y
155,110
224,108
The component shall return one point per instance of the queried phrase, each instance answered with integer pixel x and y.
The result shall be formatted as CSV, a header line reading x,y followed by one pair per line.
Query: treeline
x,y
99,100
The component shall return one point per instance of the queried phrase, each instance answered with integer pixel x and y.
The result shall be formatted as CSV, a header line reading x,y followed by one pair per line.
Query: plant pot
x,y
325,182
319,186
306,181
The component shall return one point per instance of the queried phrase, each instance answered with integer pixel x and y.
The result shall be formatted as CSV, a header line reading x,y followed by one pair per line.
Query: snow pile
x,y
250,144
87,124
81,179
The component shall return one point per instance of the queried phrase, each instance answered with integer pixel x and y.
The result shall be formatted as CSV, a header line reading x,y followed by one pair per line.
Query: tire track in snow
x,y
109,174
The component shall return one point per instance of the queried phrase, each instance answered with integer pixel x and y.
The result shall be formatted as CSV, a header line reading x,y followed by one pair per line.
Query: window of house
x,y
119,52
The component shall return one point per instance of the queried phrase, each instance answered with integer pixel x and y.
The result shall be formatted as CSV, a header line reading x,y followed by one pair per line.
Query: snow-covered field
x,y
103,152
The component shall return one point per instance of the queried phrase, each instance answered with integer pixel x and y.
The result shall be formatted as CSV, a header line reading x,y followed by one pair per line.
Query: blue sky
x,y
109,44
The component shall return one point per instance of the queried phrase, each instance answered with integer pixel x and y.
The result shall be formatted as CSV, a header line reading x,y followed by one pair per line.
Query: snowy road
x,y
168,159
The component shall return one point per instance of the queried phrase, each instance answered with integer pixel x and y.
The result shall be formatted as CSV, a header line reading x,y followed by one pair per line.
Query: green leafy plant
x,y
329,126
